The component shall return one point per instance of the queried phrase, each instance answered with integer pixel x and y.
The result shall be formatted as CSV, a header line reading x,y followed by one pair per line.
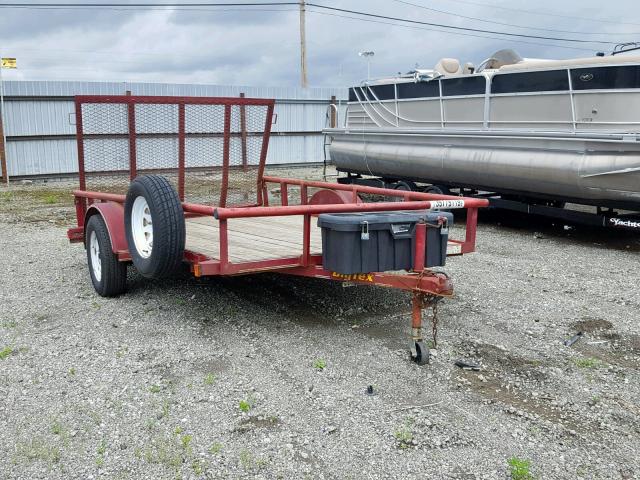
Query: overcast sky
x,y
249,47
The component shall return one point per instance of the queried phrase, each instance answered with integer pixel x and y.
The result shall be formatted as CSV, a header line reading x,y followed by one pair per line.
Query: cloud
x,y
232,46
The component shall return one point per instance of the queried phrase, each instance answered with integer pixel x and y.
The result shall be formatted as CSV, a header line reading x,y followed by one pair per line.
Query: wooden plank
x,y
250,239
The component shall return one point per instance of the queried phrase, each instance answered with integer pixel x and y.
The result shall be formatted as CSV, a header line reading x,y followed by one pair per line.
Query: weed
x,y
50,199
178,430
72,371
215,448
102,448
246,459
37,449
5,352
320,364
197,467
151,424
9,324
404,435
519,469
186,441
122,351
164,452
155,389
244,405
181,301
6,196
588,363
209,379
56,428
165,409
99,462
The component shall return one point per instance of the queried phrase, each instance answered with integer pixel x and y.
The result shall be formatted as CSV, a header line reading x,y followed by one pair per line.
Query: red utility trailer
x,y
172,180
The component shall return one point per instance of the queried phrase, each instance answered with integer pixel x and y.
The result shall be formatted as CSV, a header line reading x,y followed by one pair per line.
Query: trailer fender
x,y
332,197
113,216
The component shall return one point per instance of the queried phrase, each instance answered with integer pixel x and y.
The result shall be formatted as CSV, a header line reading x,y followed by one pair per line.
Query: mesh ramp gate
x,y
213,149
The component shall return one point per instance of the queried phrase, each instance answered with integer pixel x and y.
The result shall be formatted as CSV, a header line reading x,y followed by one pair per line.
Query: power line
x,y
353,12
544,14
140,5
449,32
418,22
484,20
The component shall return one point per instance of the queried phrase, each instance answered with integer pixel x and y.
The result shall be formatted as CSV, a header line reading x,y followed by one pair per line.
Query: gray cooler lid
x,y
352,222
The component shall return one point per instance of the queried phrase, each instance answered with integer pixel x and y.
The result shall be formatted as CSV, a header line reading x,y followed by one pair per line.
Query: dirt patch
x,y
258,422
591,325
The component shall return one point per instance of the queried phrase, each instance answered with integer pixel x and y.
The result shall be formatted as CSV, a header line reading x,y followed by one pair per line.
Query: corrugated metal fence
x,y
40,130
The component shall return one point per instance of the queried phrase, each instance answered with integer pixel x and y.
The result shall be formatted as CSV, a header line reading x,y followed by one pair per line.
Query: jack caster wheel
x,y
420,353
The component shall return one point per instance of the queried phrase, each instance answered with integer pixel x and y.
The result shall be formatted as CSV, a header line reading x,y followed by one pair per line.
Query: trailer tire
x,y
108,275
154,226
437,190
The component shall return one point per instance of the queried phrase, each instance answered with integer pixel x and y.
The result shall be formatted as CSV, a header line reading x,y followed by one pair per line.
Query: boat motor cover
x,y
380,242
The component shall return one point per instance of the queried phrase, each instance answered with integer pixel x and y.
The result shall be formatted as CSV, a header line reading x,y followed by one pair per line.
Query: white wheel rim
x,y
94,252
142,227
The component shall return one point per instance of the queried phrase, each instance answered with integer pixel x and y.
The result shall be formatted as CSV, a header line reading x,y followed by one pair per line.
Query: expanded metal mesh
x,y
189,141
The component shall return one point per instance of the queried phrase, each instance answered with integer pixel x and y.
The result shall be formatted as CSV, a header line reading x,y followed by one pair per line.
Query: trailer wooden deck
x,y
262,238
252,239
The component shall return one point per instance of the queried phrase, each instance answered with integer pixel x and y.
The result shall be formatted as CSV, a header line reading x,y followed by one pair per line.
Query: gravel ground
x,y
265,376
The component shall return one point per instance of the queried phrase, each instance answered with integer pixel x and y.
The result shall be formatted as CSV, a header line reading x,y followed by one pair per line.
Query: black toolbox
x,y
380,242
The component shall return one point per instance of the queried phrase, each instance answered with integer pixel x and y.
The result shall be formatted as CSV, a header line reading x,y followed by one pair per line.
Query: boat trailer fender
x,y
113,216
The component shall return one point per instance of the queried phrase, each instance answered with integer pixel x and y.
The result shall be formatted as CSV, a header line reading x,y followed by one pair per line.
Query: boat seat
x,y
448,66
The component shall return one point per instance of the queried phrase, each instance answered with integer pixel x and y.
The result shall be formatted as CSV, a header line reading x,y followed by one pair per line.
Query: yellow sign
x,y
360,277
9,63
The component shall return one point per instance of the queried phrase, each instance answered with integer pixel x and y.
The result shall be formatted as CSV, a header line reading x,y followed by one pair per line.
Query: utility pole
x,y
303,47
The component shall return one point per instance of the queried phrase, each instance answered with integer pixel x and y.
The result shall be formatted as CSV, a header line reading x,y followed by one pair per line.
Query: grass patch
x,y
56,428
102,448
320,364
50,198
215,448
197,467
244,406
520,469
164,452
9,324
39,450
404,435
209,379
185,440
155,389
164,413
588,363
6,196
5,352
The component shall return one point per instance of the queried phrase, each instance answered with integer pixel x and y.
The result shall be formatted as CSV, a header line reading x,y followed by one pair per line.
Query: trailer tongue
x,y
172,180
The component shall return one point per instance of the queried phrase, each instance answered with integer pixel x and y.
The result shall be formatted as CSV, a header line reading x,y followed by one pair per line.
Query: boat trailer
x,y
166,181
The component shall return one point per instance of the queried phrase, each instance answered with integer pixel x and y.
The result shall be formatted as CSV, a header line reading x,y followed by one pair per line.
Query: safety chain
x,y
432,301
434,321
